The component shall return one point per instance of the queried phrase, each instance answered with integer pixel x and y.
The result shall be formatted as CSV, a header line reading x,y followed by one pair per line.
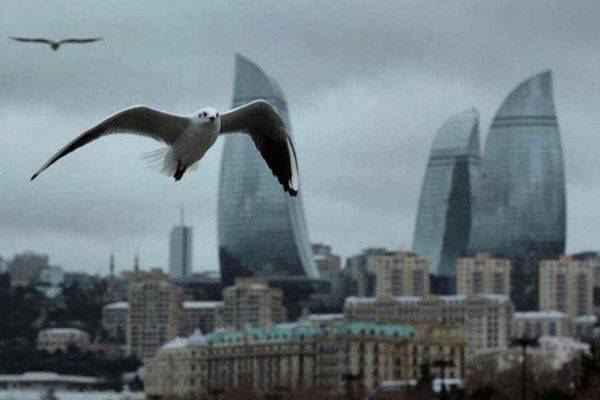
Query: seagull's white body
x,y
194,141
188,138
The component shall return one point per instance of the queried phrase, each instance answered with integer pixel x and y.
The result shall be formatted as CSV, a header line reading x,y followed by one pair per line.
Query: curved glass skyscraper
x,y
520,203
444,215
262,230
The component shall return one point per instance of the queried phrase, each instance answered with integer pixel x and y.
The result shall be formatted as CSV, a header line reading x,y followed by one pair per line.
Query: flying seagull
x,y
188,138
55,44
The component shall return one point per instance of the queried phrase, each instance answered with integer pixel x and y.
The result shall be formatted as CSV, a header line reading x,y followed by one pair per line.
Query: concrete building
x,y
566,285
295,357
535,324
200,315
251,303
115,317
483,274
54,339
583,327
25,268
328,264
155,315
180,251
486,319
362,269
401,274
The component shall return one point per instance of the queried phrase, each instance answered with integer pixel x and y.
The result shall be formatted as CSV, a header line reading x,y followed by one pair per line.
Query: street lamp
x,y
524,342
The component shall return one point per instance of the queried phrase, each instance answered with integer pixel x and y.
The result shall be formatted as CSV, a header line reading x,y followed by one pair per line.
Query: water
x,y
62,395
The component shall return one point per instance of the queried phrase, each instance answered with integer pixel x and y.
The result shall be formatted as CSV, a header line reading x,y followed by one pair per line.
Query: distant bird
x,y
189,137
55,44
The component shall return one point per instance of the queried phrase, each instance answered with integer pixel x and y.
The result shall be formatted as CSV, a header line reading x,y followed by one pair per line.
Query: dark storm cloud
x,y
368,85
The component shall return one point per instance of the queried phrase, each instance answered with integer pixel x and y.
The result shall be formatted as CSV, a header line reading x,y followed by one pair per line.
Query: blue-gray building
x,y
444,215
520,202
262,230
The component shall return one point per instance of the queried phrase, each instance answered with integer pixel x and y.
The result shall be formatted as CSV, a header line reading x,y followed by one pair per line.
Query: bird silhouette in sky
x,y
55,44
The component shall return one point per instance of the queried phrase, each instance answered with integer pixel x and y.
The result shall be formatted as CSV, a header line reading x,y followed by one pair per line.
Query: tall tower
x,y
112,265
520,202
444,217
180,250
262,231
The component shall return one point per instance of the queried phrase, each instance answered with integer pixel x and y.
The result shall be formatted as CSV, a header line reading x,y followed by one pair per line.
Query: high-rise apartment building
x,y
155,315
401,274
251,303
483,274
328,264
566,285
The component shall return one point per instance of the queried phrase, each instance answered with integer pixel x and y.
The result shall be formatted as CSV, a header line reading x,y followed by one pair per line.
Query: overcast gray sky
x,y
368,84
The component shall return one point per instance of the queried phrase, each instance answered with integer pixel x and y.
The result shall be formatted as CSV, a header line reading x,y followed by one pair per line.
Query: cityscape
x,y
488,301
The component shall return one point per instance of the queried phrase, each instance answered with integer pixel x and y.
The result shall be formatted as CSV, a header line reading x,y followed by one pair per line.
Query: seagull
x,y
55,44
188,138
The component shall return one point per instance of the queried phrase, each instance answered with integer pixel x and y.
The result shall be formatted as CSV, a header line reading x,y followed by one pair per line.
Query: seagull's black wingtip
x,y
33,176
292,192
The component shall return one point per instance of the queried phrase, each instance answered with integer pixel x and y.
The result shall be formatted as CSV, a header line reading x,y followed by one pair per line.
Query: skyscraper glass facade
x,y
444,216
262,230
520,202
180,252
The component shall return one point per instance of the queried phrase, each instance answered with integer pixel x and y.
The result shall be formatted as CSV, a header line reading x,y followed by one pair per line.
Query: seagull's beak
x,y
213,118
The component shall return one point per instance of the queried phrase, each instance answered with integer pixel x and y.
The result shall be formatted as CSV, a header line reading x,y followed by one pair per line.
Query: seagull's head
x,y
208,114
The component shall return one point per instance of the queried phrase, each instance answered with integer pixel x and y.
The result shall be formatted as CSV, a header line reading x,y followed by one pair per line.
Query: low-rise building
x,y
534,324
296,356
483,274
53,339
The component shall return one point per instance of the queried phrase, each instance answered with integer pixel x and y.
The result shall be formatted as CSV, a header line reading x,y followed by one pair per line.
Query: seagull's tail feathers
x,y
161,160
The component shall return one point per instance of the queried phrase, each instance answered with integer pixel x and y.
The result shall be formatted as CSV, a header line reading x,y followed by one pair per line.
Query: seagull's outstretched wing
x,y
84,40
263,124
31,40
139,120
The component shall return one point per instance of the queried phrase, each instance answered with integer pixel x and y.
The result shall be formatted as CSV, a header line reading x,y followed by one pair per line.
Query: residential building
x,y
328,264
486,319
251,303
584,327
535,324
262,230
566,285
200,315
53,339
362,269
25,268
155,315
443,221
483,274
115,317
401,274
